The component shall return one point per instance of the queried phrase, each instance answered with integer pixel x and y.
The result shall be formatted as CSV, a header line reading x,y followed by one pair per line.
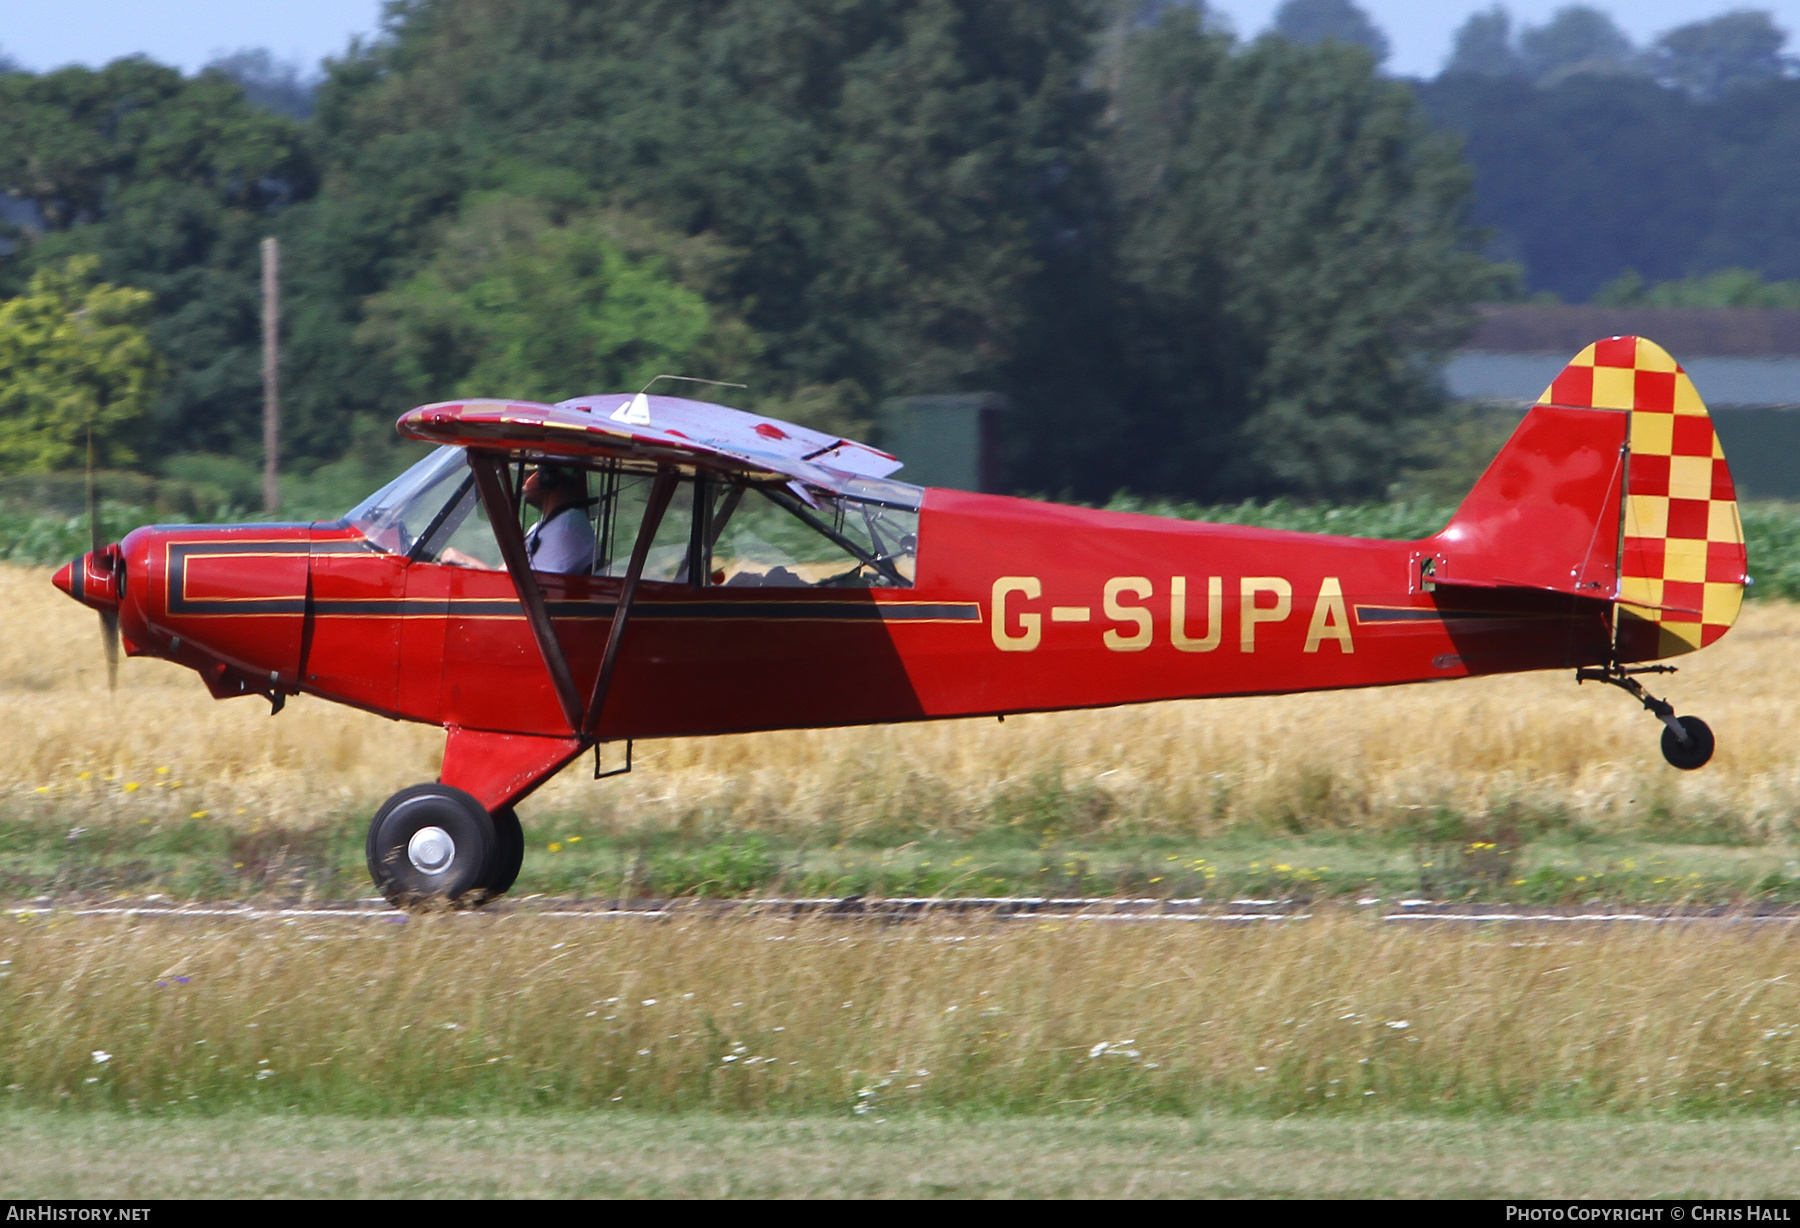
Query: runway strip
x,y
1000,908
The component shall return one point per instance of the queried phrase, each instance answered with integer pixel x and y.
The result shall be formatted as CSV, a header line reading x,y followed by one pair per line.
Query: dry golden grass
x,y
463,1012
1533,744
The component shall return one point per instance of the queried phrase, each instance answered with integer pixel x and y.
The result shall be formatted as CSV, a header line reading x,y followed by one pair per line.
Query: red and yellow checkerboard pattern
x,y
1682,560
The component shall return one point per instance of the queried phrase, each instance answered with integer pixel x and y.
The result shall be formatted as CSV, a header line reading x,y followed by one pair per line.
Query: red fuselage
x,y
1018,606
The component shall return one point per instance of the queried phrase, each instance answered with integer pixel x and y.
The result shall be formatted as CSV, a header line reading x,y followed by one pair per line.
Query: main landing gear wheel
x,y
433,845
1686,741
1695,751
509,852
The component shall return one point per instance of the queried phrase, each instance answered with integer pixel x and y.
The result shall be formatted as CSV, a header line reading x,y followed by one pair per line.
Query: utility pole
x,y
271,313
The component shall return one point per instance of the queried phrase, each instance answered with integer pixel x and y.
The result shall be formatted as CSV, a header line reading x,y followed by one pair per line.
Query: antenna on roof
x,y
692,379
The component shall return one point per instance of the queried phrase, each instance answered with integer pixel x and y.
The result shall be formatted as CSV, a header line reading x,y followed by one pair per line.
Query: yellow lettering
x,y
1138,640
1215,609
1330,619
1031,626
1251,613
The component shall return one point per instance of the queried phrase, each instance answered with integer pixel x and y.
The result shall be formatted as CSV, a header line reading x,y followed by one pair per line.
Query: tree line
x,y
1197,266
1602,168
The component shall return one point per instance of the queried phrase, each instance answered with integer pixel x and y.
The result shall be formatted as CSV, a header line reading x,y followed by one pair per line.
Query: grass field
x,y
463,1055
459,1014
158,789
699,1155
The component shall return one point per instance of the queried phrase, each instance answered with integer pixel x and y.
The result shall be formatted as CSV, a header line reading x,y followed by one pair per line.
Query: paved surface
x,y
1002,908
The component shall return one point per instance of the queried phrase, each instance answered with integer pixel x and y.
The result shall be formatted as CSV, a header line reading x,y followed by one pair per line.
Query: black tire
x,y
1698,750
432,846
509,853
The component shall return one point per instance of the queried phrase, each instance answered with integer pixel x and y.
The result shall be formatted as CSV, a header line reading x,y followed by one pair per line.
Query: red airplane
x,y
698,570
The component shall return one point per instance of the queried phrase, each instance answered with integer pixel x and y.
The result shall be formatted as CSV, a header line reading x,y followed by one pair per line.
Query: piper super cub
x,y
630,566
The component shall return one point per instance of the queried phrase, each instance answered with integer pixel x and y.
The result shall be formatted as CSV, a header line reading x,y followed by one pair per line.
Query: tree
x,y
170,182
1596,174
1577,39
1287,252
74,358
275,84
881,167
1724,288
1484,47
1731,51
518,302
1309,22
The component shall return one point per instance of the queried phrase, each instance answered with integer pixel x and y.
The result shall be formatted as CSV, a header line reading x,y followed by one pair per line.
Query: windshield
x,y
393,517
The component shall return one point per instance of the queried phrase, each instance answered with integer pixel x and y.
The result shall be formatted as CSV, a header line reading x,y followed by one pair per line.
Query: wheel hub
x,y
431,850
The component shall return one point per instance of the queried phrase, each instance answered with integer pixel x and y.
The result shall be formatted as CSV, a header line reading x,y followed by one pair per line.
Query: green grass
x,y
584,857
640,1155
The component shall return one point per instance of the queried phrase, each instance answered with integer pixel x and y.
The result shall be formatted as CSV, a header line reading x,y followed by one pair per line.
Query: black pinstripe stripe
x,y
666,611
761,610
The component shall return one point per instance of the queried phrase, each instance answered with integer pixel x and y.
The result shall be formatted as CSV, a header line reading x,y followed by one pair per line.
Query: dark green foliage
x,y
1772,531
1233,280
1578,39
1596,175
521,302
1733,50
1484,47
873,168
1313,21
1724,288
1285,251
171,182
1586,166
269,82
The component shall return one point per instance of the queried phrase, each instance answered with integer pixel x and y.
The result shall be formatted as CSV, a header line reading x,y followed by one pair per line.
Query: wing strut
x,y
503,514
661,490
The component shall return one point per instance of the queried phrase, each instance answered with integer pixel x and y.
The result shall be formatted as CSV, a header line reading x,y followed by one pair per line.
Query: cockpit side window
x,y
717,532
619,500
767,537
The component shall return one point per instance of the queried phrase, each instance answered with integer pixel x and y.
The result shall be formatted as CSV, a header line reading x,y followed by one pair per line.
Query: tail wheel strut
x,y
1687,742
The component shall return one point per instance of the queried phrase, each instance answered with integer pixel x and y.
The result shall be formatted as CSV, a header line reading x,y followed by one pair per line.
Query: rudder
x,y
1682,560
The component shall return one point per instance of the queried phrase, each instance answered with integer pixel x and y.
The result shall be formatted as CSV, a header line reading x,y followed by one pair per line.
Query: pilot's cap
x,y
559,477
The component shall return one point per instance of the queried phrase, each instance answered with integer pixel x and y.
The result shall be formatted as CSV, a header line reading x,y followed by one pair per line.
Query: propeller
x,y
109,619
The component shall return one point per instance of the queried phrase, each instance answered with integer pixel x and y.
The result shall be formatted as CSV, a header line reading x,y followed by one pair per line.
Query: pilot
x,y
562,541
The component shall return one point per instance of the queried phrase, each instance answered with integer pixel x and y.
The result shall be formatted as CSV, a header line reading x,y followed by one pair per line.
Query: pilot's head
x,y
549,487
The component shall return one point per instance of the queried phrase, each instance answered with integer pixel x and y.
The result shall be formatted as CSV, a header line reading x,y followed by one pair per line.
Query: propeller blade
x,y
109,636
109,619
93,500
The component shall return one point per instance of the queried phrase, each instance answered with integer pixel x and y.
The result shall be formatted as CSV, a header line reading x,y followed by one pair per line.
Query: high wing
x,y
653,430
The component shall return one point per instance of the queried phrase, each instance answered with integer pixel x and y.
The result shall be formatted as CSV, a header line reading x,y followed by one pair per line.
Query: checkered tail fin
x,y
1681,558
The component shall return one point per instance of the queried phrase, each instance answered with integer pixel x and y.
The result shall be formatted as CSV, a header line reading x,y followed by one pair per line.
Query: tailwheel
x,y
434,846
1687,743
1689,748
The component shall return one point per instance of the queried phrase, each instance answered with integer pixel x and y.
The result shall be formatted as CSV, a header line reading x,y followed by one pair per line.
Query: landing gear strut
x,y
1686,741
